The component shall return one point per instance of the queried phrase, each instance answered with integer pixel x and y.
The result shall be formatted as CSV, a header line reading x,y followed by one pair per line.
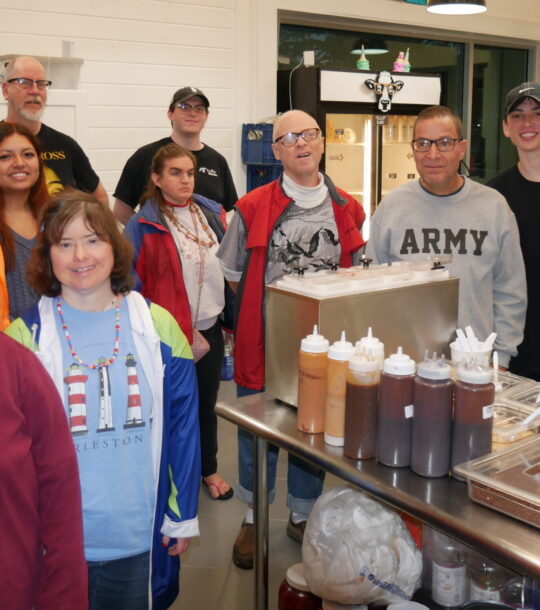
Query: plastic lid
x,y
329,605
342,349
296,577
399,364
434,369
315,343
407,606
362,364
473,373
370,344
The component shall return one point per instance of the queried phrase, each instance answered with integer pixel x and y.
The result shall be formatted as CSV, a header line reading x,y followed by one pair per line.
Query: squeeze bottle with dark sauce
x,y
395,410
312,371
473,414
432,421
334,422
362,395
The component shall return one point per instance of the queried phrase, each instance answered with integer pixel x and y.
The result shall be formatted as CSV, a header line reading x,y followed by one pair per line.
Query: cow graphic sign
x,y
385,87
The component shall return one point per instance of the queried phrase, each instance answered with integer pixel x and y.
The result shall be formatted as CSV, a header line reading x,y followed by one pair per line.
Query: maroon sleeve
x,y
63,583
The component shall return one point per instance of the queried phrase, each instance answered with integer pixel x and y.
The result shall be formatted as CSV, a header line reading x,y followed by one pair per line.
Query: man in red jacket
x,y
300,220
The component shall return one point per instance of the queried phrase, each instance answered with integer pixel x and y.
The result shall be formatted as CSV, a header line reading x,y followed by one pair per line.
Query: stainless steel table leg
x,y
260,510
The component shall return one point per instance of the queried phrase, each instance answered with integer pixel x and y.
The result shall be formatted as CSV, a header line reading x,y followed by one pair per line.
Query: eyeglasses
x,y
442,144
187,108
27,83
290,139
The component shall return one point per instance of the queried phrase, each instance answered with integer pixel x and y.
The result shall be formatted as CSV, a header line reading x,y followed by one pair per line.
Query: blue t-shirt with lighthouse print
x,y
110,421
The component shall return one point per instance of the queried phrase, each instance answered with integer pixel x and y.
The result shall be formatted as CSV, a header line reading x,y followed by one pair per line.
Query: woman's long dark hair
x,y
37,198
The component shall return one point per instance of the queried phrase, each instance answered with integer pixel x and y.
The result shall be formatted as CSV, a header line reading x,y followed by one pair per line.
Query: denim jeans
x,y
304,481
121,584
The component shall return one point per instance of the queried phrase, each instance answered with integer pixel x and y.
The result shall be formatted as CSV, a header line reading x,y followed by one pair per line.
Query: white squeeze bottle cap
x,y
342,349
399,364
371,346
315,343
434,369
360,363
473,373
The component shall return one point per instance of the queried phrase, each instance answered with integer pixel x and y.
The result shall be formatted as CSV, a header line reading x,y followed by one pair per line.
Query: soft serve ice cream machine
x,y
413,305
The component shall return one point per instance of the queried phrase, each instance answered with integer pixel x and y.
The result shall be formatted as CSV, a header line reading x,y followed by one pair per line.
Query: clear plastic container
x,y
508,426
525,398
508,481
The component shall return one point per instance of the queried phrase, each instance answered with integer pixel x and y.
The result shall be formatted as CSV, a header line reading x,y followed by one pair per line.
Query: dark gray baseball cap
x,y
186,93
519,93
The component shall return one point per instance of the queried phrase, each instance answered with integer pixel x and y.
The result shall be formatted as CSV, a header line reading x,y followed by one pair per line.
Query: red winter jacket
x,y
260,210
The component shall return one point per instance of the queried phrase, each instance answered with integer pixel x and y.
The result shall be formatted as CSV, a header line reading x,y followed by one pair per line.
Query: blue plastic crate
x,y
257,175
257,144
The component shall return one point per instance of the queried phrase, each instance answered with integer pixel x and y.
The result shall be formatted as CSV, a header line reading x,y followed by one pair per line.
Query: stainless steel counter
x,y
442,503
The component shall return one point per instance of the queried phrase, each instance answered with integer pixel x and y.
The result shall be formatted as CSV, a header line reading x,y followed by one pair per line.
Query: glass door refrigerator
x,y
367,150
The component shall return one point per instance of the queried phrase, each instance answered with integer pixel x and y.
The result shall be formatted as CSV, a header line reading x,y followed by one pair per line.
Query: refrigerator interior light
x,y
366,200
456,7
372,46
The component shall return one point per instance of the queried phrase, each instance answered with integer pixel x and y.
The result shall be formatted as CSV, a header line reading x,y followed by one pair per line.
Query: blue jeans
x,y
121,584
304,481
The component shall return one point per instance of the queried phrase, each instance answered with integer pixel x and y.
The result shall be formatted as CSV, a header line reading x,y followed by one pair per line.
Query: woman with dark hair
x,y
125,372
176,236
23,195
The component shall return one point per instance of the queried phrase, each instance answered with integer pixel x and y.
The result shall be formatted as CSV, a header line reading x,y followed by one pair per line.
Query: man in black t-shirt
x,y
25,89
188,113
520,185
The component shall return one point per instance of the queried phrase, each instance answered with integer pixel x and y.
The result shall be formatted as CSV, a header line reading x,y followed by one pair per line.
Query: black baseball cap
x,y
519,93
184,94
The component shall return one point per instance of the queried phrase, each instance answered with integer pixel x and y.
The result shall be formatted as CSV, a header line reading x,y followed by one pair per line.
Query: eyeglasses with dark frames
x,y
187,108
442,144
27,83
290,138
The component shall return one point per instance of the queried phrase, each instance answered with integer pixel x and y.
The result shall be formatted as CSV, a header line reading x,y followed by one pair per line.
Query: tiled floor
x,y
209,579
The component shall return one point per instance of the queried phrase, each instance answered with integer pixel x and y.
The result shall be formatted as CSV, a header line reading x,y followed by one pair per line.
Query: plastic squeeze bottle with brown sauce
x,y
372,347
473,414
312,370
334,423
362,394
395,410
432,421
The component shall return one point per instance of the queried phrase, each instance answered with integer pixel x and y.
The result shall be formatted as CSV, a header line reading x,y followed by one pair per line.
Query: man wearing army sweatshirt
x,y
444,213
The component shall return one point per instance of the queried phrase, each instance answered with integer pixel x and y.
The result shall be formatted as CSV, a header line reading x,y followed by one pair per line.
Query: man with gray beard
x,y
25,90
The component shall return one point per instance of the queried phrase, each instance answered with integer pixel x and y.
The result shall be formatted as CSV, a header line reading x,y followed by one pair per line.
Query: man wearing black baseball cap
x,y
188,113
520,185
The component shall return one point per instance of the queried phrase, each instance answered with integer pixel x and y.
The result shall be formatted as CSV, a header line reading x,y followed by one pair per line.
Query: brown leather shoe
x,y
296,530
244,546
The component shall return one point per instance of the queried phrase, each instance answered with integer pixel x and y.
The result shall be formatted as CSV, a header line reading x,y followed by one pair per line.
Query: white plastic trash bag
x,y
356,550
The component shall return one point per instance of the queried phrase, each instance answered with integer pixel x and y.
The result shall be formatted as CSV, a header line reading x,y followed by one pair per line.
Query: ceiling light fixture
x,y
456,7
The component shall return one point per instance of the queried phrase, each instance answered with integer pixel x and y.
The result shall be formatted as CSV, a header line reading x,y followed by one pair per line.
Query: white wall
x,y
138,52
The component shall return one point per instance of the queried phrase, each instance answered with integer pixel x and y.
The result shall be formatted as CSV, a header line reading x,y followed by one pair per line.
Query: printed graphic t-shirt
x,y
109,415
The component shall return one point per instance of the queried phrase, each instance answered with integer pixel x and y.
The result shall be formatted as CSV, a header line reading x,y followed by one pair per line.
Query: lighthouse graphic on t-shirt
x,y
76,383
134,408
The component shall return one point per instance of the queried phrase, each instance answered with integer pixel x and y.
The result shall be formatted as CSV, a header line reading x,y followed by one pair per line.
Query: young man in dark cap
x,y
188,113
520,184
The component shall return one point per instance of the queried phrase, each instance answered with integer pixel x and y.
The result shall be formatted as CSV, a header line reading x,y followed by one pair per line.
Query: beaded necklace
x,y
196,213
103,363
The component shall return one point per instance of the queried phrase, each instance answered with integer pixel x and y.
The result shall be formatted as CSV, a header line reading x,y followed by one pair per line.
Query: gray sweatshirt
x,y
477,227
